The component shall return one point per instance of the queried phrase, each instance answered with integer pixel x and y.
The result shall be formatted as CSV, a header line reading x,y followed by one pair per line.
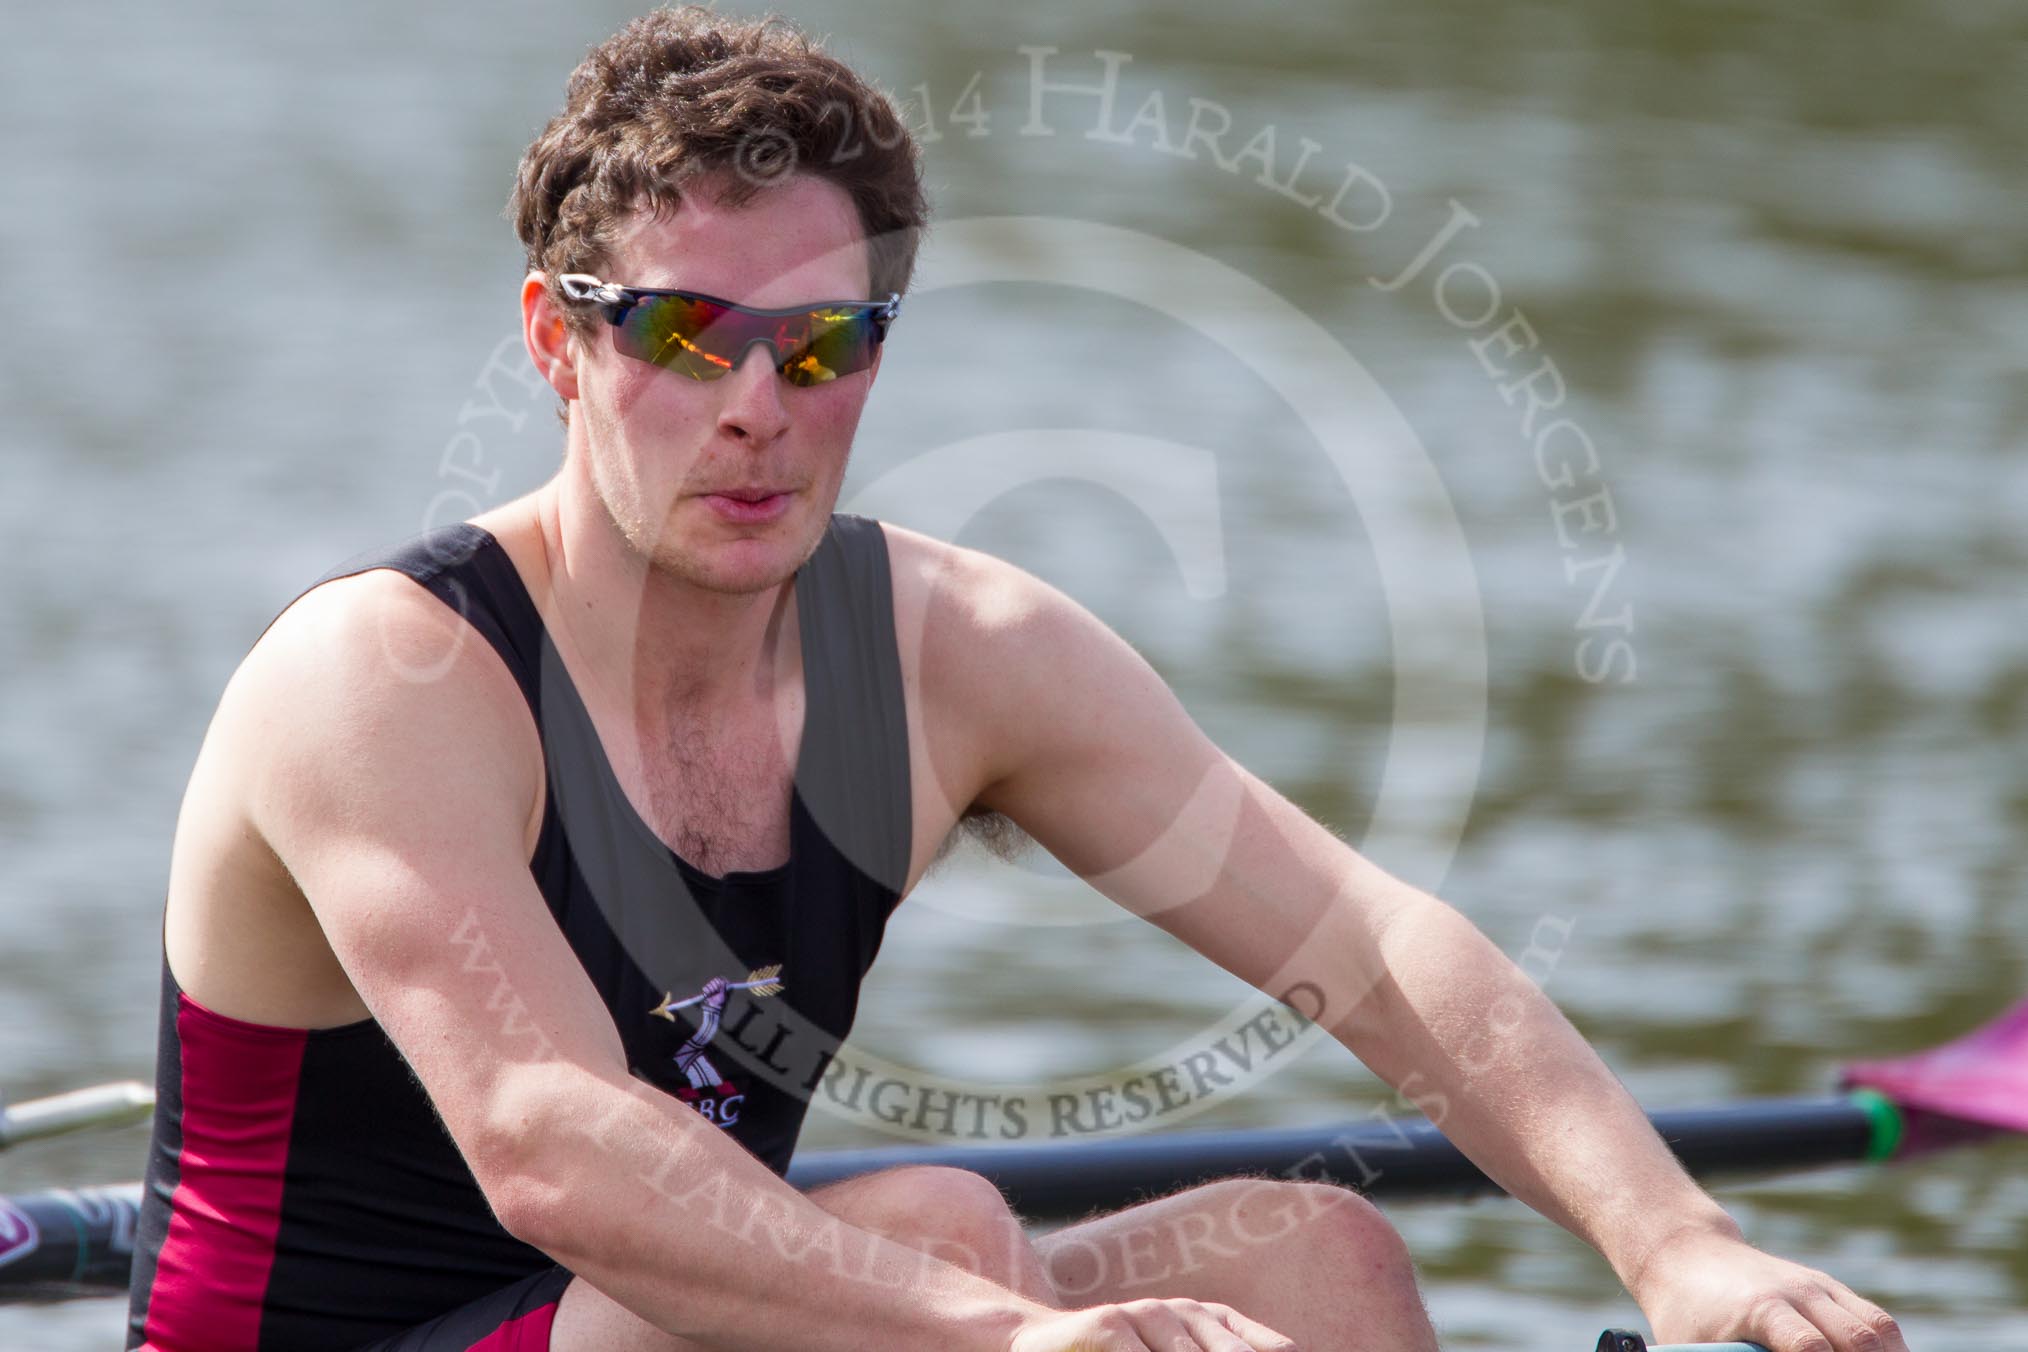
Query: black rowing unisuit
x,y
301,1192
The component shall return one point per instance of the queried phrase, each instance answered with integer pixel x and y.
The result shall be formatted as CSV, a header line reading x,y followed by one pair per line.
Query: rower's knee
x,y
931,1196
954,1214
1320,1224
1252,1243
1310,1237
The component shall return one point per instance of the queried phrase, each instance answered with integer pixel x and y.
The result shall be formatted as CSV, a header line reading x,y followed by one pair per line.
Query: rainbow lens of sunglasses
x,y
704,339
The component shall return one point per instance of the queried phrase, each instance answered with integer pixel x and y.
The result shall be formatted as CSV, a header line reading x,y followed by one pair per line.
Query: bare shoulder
x,y
371,684
982,623
969,626
1012,674
371,624
357,654
966,604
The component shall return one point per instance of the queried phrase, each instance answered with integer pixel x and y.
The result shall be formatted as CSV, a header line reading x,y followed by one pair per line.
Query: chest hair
x,y
722,802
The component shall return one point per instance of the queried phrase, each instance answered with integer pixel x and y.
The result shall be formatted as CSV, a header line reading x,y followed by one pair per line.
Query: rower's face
x,y
664,452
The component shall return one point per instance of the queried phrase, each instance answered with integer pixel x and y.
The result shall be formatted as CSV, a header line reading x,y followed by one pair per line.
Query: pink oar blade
x,y
1981,1077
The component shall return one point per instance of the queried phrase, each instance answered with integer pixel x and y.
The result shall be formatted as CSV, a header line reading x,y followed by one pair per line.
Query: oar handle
x,y
1626,1340
105,1105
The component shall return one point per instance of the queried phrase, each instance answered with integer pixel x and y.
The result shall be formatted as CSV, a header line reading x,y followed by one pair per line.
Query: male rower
x,y
504,843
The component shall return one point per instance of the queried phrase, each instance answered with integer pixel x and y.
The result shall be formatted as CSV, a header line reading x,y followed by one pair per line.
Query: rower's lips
x,y
749,511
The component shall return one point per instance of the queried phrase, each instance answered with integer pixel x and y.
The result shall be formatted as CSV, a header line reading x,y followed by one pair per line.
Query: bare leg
x,y
948,1213
1313,1261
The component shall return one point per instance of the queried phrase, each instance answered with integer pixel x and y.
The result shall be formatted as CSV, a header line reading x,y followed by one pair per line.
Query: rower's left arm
x,y
1085,747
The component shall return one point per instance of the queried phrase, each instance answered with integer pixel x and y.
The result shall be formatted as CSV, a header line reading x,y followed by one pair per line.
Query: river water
x,y
1725,727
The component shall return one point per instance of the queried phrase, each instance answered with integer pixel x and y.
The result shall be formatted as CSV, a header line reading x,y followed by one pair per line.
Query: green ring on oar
x,y
1889,1126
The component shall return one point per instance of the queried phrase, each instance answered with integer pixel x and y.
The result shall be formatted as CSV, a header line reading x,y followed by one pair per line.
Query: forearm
x,y
1475,1044
671,1218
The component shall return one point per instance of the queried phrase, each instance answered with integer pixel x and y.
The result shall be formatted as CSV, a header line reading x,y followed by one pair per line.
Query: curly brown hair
x,y
681,92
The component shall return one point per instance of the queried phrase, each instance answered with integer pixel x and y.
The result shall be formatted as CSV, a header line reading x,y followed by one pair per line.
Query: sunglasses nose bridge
x,y
767,344
771,358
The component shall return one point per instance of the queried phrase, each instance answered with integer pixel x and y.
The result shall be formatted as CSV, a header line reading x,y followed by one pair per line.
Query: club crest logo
x,y
708,1091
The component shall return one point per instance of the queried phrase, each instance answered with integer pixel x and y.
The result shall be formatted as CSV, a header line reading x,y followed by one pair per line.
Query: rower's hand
x,y
1713,1288
1149,1326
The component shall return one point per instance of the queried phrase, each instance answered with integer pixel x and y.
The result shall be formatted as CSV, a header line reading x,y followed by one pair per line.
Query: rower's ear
x,y
547,336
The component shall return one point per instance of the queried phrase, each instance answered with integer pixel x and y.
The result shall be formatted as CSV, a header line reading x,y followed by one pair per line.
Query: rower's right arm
x,y
394,770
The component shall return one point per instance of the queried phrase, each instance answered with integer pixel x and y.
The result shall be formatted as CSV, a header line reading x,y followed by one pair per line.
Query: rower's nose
x,y
753,411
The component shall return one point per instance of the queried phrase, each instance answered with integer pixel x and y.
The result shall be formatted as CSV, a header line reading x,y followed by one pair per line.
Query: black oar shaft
x,y
1406,1157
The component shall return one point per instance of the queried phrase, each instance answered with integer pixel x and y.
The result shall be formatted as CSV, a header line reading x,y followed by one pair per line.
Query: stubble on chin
x,y
714,564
